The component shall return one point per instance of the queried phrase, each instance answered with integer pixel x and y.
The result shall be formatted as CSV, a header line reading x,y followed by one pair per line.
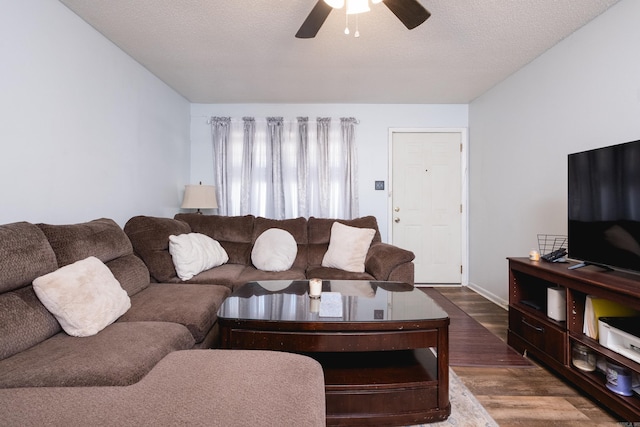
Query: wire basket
x,y
551,242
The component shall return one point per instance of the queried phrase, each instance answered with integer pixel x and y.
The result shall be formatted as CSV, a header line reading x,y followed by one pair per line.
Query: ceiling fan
x,y
409,12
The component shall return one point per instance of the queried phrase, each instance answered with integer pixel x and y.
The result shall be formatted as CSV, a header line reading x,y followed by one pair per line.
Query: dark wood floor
x,y
521,396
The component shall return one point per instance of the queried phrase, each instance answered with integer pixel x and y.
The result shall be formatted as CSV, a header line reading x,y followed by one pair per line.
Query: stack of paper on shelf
x,y
621,334
595,308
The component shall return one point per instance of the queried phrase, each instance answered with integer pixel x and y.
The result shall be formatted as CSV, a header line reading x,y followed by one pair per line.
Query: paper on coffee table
x,y
330,304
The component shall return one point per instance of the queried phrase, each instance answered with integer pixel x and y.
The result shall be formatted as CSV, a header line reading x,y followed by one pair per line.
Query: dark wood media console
x,y
531,331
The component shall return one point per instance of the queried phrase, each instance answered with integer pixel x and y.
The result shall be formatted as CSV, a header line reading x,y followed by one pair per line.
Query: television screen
x,y
604,206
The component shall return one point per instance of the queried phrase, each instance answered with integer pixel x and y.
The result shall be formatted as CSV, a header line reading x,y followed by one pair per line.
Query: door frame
x,y
464,194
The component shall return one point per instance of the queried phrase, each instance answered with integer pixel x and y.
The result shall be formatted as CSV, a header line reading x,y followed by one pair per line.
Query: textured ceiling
x,y
244,51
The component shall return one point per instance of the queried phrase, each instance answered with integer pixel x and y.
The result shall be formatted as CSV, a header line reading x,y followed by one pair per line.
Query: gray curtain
x,y
324,127
351,201
220,131
249,135
303,166
275,127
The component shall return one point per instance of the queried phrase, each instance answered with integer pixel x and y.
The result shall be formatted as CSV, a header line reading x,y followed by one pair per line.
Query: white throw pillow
x,y
274,250
84,296
193,253
348,247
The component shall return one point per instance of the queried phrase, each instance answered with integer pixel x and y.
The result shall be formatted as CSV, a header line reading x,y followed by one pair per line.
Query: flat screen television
x,y
604,207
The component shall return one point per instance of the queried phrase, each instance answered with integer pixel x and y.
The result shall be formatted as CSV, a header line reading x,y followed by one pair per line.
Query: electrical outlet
x,y
378,314
379,185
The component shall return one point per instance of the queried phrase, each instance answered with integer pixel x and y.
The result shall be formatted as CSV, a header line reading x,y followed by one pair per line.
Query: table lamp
x,y
199,197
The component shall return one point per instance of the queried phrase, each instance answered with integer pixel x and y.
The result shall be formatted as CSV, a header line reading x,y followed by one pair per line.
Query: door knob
x,y
396,219
397,209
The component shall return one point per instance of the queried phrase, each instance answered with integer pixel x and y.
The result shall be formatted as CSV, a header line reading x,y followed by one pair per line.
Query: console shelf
x,y
531,331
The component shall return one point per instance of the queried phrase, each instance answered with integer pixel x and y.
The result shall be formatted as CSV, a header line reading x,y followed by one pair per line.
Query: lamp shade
x,y
199,197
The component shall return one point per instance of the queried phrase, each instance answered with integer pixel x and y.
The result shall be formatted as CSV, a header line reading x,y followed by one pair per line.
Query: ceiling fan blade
x,y
314,21
410,12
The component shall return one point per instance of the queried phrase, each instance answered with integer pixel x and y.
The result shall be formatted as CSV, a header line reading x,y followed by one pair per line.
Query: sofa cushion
x,y
252,274
83,296
150,239
329,273
194,306
348,247
101,238
121,354
24,321
130,272
235,233
320,228
227,275
193,253
274,250
25,253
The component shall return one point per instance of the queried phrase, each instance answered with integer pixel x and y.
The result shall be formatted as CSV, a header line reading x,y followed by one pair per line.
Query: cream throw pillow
x,y
348,247
274,250
84,296
193,253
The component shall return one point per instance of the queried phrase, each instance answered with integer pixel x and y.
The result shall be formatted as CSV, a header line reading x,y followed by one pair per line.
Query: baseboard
x,y
438,285
490,296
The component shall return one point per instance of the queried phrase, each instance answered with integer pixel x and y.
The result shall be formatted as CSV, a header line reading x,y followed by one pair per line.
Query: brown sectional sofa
x,y
150,239
143,369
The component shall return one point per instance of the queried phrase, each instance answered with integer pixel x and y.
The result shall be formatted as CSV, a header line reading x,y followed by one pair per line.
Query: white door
x,y
426,197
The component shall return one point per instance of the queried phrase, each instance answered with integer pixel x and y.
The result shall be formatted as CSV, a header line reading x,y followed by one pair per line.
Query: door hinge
x,y
460,269
461,147
460,207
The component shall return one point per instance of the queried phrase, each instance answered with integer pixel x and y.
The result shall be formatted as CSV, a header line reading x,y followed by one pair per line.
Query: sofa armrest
x,y
383,258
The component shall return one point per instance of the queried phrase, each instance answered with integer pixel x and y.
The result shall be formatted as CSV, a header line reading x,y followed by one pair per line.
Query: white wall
x,y
85,131
372,138
581,94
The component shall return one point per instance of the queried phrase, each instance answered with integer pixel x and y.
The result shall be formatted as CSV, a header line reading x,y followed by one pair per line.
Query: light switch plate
x,y
379,185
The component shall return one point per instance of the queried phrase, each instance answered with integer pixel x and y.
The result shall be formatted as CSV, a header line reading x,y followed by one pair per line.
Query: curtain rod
x,y
356,120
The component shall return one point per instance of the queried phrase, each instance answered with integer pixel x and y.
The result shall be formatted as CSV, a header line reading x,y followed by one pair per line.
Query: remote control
x,y
552,256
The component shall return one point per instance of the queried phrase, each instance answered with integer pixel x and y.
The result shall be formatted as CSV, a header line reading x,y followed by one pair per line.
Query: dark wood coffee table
x,y
377,359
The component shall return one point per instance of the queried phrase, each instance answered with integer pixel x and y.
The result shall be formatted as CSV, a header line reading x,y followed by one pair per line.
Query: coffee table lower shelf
x,y
382,388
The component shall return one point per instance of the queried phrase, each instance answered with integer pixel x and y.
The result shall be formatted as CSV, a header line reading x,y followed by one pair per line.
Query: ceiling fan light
x,y
336,4
357,6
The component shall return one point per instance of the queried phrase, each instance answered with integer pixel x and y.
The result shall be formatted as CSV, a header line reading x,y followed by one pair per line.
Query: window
x,y
279,168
